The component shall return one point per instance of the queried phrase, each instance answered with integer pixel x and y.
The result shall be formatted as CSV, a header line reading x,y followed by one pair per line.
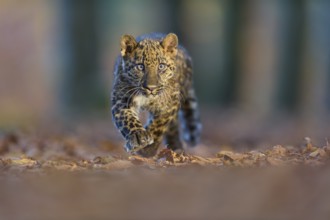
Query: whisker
x,y
130,97
130,91
126,87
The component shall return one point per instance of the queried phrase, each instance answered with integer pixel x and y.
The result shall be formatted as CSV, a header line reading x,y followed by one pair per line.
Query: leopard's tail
x,y
190,119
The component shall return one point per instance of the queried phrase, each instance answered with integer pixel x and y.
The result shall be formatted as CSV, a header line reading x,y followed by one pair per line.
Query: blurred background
x,y
261,66
262,75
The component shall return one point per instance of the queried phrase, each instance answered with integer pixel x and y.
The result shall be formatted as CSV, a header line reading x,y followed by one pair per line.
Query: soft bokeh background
x,y
260,66
262,75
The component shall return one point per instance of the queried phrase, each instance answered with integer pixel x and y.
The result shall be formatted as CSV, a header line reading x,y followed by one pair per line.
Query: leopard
x,y
154,74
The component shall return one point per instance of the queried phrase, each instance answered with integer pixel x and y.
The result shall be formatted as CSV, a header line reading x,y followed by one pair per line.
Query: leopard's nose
x,y
151,88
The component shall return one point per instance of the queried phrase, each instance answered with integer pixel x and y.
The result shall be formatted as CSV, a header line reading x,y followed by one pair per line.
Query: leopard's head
x,y
149,65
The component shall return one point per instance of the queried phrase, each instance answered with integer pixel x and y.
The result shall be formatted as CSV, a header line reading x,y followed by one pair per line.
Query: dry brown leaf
x,y
229,155
103,160
319,152
205,161
24,162
180,158
309,146
279,150
138,160
166,154
59,165
256,155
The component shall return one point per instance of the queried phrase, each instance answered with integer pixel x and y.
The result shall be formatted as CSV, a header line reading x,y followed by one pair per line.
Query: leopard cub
x,y
154,74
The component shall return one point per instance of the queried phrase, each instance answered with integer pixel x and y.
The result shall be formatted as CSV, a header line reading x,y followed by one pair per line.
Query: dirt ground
x,y
82,172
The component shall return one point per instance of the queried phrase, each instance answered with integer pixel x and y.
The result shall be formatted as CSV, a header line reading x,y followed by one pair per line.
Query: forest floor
x,y
84,173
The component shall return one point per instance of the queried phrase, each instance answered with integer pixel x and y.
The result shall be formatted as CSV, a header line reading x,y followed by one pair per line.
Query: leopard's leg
x,y
172,136
128,123
190,119
157,126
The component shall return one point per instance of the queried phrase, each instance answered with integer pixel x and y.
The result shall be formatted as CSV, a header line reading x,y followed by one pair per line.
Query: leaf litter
x,y
19,152
101,177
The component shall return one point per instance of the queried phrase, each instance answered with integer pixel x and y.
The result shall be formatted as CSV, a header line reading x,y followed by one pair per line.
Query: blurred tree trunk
x,y
257,57
204,25
233,16
290,57
27,61
315,91
83,88
174,10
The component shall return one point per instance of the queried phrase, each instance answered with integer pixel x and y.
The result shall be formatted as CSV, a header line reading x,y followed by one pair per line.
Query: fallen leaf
x,y
166,154
138,160
23,162
309,146
319,152
256,155
278,149
229,155
103,160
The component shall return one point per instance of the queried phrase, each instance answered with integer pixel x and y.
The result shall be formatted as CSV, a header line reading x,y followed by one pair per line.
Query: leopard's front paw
x,y
137,140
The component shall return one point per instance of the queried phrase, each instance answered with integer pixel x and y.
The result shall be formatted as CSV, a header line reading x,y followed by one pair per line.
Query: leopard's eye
x,y
162,66
139,67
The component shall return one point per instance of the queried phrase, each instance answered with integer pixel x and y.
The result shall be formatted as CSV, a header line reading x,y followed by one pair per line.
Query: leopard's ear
x,y
127,44
170,43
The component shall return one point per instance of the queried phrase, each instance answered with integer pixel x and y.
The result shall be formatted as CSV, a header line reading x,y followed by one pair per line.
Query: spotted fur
x,y
154,74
